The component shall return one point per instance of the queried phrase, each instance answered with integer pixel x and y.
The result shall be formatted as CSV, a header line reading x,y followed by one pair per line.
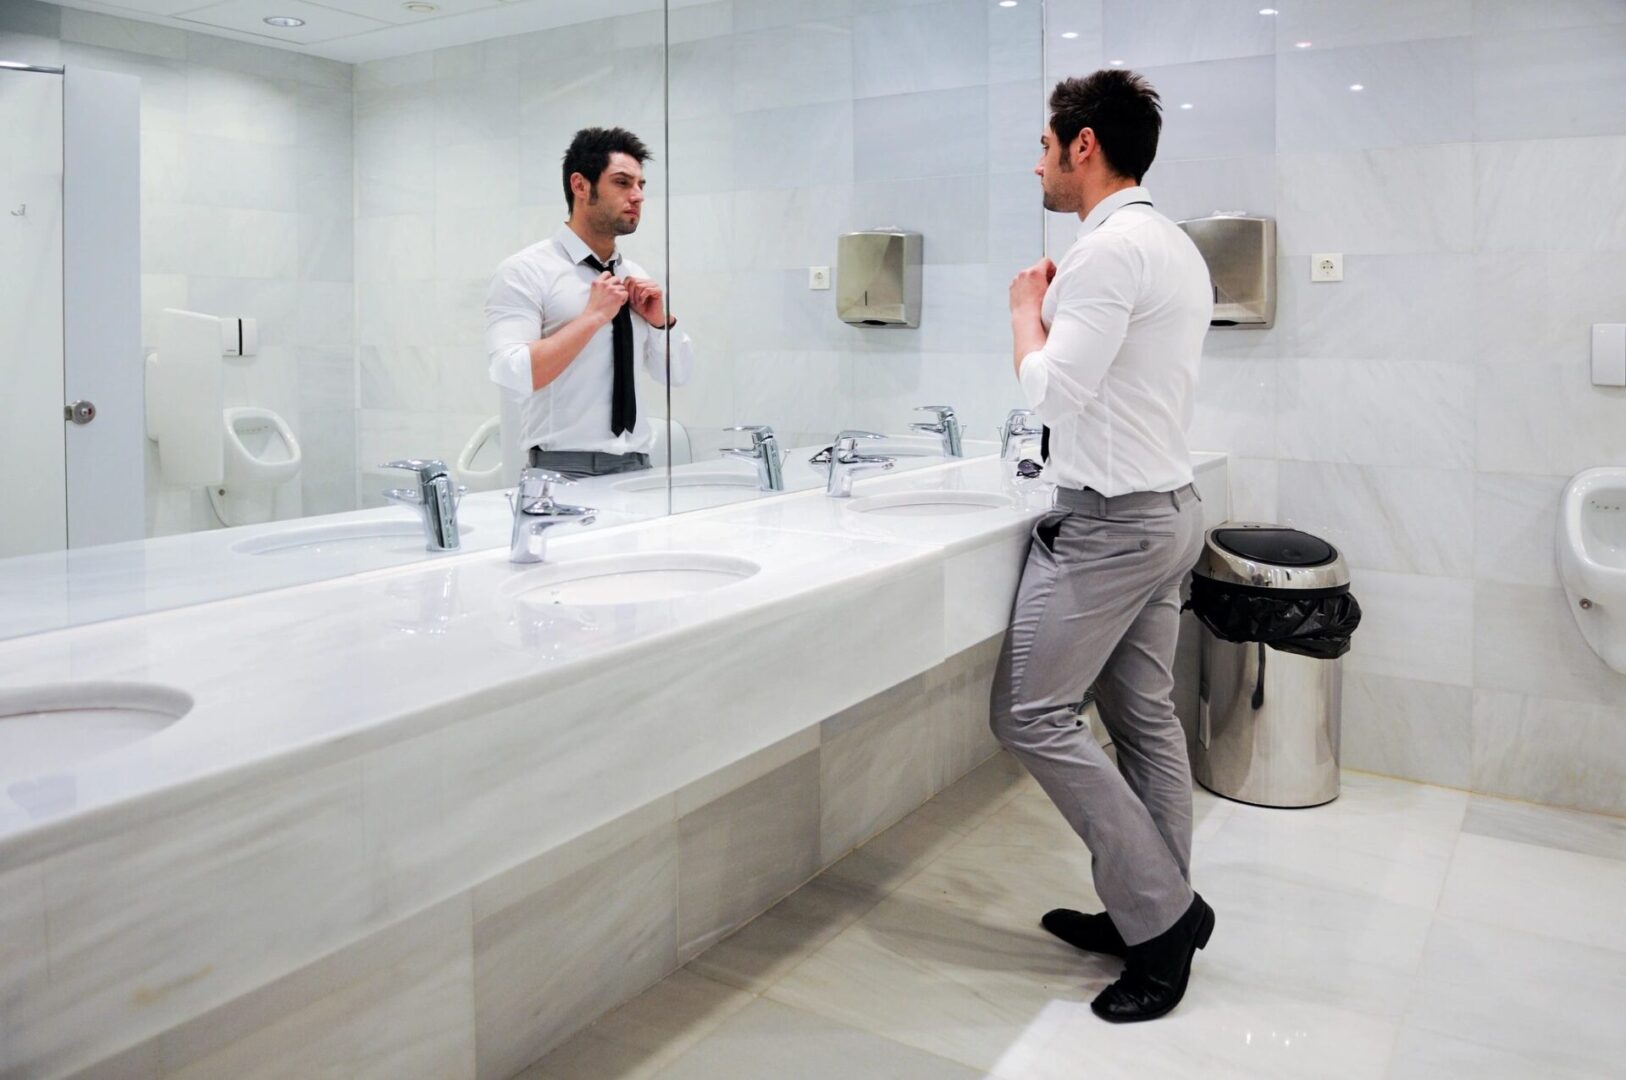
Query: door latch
x,y
80,412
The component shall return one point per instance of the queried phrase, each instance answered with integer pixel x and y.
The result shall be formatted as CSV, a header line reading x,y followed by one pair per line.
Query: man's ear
x,y
1083,146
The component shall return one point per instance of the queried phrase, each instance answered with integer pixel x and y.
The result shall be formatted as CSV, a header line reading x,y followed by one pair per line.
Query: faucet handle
x,y
847,443
760,434
537,484
427,468
944,412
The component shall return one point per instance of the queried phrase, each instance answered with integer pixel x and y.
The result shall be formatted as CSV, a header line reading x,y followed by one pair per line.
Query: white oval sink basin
x,y
45,729
616,580
731,481
388,536
916,504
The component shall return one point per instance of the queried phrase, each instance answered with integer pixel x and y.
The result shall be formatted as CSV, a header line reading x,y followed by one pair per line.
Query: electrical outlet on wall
x,y
1326,267
818,277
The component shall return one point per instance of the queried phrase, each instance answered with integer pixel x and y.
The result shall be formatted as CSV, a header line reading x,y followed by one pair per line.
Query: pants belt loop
x,y
1174,499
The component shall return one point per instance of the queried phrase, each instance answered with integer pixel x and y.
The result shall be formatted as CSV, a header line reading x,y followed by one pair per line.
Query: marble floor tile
x,y
768,1039
1402,931
1547,826
1516,886
1382,838
1551,1001
638,1039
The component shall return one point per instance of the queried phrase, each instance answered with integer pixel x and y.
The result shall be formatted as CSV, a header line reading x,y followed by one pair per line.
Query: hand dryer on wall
x,y
878,278
1241,254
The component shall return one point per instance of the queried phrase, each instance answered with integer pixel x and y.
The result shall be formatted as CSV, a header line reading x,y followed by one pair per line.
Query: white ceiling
x,y
354,31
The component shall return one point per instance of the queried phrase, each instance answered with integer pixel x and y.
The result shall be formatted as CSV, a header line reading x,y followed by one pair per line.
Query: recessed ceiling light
x,y
1007,3
1185,104
1268,11
1069,34
1116,63
287,21
1357,87
1302,44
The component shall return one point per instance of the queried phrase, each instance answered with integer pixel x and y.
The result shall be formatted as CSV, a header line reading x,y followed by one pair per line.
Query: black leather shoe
x,y
1155,978
1092,933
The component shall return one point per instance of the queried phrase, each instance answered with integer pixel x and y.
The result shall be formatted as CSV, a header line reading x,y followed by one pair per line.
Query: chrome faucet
x,y
947,426
1019,427
846,462
536,511
435,498
764,450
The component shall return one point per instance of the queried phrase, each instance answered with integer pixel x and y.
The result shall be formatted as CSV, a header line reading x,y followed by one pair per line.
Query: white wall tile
x,y
1403,727
1515,522
1409,199
1550,83
795,147
1191,189
1182,31
801,64
1329,24
1546,750
1377,412
1526,642
1410,521
1388,307
1413,92
938,133
1550,195
1225,118
907,50
1500,16
1414,627
1538,307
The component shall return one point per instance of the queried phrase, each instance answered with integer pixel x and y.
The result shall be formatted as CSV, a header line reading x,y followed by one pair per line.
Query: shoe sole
x,y
1205,930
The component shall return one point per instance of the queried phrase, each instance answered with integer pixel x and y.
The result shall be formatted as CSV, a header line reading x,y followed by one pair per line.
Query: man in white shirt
x,y
1107,346
569,321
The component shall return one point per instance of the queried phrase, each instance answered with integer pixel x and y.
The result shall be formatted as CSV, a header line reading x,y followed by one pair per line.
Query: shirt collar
x,y
577,248
1103,209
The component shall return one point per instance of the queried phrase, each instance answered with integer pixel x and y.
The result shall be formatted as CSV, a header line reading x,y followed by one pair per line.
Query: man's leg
x,y
1135,694
1085,584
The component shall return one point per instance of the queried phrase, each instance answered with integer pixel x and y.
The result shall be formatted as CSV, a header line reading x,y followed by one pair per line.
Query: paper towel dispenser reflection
x,y
878,278
1241,256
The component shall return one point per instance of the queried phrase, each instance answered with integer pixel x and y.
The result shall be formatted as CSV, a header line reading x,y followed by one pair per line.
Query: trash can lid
x,y
1278,547
1271,556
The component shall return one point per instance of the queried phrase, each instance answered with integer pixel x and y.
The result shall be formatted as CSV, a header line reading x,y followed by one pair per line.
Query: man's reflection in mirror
x,y
570,319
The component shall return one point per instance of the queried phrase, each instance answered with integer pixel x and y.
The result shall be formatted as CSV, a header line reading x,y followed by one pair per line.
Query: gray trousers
x,y
1099,605
581,464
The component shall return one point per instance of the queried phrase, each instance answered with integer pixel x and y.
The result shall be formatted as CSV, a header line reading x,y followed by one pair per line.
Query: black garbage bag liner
x,y
1309,622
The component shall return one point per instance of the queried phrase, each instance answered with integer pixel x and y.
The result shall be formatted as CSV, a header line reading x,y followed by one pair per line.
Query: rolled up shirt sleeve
x,y
1095,294
655,355
513,321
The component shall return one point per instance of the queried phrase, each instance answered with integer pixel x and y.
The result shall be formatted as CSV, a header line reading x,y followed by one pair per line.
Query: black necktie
x,y
623,396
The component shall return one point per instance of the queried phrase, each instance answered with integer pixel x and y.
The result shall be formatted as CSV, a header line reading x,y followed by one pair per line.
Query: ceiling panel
x,y
248,17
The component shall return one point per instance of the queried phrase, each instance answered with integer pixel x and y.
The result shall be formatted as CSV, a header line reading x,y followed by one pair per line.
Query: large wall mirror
x,y
330,191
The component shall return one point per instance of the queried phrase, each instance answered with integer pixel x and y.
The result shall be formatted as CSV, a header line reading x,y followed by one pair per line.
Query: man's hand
x,y
648,301
1028,288
607,296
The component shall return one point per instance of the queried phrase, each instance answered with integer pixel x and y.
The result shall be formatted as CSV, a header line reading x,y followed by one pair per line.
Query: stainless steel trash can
x,y
1268,719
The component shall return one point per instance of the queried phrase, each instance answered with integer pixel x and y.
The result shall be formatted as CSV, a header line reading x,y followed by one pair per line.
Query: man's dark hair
x,y
1120,107
590,151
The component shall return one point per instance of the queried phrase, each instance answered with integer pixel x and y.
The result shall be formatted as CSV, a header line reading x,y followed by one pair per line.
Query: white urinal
x,y
479,465
262,454
1592,559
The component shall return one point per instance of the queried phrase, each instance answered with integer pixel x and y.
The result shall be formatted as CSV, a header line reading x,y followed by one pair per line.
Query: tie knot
x,y
593,261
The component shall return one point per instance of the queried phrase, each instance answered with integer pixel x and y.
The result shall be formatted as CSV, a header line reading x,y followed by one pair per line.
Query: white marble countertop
x,y
294,677
86,585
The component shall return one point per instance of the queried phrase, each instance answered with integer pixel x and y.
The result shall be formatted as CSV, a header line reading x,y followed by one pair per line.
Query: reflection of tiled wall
x,y
792,124
246,210
1425,413
457,167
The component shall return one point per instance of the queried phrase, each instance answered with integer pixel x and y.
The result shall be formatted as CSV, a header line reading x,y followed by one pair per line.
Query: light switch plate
x,y
818,277
1609,354
1327,267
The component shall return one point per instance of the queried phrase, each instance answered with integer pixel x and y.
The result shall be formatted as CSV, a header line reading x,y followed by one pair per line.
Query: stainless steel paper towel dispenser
x,y
1241,256
878,278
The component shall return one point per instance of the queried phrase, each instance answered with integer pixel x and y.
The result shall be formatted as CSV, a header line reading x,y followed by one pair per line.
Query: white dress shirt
x,y
532,295
1125,318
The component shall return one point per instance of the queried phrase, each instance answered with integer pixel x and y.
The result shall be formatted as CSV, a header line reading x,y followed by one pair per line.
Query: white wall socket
x,y
818,277
1326,267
